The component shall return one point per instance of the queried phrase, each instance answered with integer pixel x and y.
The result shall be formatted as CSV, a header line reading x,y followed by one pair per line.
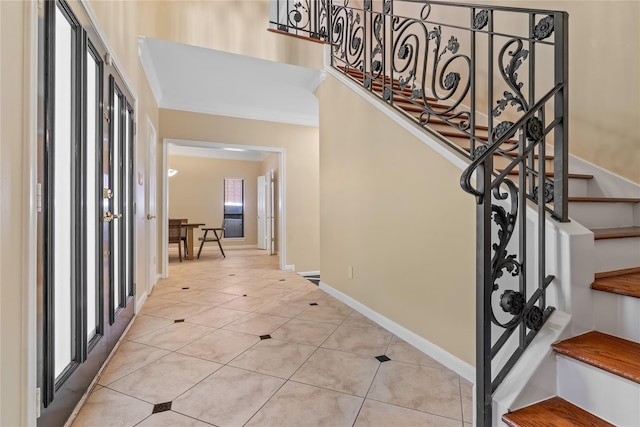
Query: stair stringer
x,y
533,378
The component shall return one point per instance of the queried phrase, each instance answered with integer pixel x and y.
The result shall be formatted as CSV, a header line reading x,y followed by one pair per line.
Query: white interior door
x,y
262,215
152,223
270,212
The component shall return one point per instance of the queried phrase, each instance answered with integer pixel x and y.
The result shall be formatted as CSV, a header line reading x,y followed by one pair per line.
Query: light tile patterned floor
x,y
235,342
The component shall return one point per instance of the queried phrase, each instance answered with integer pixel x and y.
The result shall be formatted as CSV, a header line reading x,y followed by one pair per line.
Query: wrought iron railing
x,y
307,18
476,77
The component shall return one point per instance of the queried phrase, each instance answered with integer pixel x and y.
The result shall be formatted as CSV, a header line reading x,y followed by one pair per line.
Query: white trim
x,y
282,208
309,273
28,366
164,205
152,77
246,112
289,267
150,251
165,194
452,362
140,302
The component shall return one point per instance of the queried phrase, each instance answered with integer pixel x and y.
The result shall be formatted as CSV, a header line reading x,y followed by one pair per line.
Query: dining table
x,y
190,227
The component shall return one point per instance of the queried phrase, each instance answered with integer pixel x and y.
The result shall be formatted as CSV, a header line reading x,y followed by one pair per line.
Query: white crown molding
x,y
149,69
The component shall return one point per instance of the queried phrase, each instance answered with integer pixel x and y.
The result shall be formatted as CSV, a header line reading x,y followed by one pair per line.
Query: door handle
x,y
149,216
108,217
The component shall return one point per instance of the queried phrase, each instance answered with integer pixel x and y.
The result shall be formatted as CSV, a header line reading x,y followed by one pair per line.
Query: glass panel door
x,y
62,189
86,258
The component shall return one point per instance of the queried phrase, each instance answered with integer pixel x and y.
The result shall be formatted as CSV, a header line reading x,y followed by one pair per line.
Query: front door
x,y
117,213
85,227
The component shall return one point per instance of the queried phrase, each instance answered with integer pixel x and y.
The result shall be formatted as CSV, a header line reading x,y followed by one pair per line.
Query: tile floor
x,y
236,342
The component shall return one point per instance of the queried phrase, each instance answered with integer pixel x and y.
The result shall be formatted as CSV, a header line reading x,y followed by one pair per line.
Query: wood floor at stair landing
x,y
623,282
612,354
553,412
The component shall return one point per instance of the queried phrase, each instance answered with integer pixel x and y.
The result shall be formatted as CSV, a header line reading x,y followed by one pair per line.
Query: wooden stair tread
x,y
553,412
604,199
615,232
550,174
297,36
622,284
612,354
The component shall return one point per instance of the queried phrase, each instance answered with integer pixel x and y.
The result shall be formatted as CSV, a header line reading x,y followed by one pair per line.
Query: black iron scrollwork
x,y
544,28
512,302
510,76
534,129
534,318
547,192
503,261
480,20
386,94
502,129
479,150
348,36
388,6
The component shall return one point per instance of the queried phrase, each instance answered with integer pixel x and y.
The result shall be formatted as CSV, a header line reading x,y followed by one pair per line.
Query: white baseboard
x,y
291,267
309,273
452,362
140,301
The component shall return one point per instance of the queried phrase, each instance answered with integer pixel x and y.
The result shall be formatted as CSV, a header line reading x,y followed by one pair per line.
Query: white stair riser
x,y
605,395
616,254
578,187
602,215
617,315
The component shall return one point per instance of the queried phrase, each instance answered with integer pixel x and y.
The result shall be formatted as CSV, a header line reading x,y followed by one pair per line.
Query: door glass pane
x,y
117,208
62,193
234,207
93,141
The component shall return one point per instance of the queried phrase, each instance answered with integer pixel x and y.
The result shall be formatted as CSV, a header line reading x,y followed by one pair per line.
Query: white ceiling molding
x,y
196,79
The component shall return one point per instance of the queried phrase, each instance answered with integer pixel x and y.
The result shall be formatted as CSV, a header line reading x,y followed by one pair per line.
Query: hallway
x,y
234,341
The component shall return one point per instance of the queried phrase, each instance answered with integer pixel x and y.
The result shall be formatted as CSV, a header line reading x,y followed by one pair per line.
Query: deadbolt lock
x,y
106,193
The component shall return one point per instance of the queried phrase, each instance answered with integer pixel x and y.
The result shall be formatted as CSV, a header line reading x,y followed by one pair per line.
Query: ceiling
x,y
196,79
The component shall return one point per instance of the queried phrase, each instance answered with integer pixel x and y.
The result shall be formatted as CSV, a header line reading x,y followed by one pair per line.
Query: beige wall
x,y
393,210
231,26
196,192
13,214
300,174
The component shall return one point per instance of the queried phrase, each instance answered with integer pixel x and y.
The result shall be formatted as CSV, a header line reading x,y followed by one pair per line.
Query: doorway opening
x,y
195,190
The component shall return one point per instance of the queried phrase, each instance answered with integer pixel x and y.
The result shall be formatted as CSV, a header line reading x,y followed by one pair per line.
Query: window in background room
x,y
234,207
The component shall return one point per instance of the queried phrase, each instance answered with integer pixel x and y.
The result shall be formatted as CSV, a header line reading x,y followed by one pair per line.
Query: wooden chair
x,y
215,238
178,235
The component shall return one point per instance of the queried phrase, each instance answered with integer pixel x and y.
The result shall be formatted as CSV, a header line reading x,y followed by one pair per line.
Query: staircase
x,y
598,373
